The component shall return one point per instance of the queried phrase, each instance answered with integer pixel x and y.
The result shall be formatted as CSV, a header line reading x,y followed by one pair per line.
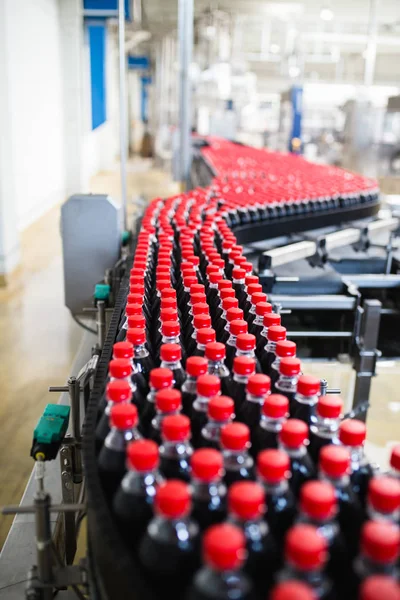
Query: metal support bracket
x,y
100,311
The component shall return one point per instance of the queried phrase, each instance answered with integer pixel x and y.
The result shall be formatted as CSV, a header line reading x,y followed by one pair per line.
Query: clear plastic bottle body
x,y
209,502
323,432
175,460
238,465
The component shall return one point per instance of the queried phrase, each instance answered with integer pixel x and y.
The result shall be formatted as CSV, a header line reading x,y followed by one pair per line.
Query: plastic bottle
x,y
142,361
195,366
352,434
378,554
208,386
334,466
168,402
171,355
261,309
395,462
318,507
133,502
270,319
160,379
169,550
255,298
274,334
125,350
306,555
220,412
232,314
306,398
112,457
221,328
215,354
117,391
246,506
171,334
245,346
273,472
208,490
224,293
238,284
236,327
289,373
175,450
249,408
283,349
274,413
377,587
235,443
293,439
199,322
204,336
325,429
222,577
243,368
383,499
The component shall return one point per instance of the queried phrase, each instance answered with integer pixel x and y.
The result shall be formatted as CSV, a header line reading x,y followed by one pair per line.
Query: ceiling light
x,y
326,14
274,49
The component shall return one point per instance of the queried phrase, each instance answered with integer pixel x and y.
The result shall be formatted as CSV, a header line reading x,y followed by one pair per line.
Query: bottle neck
x,y
297,452
232,339
190,384
247,353
182,449
117,439
243,379
255,399
172,366
201,403
140,351
270,346
205,489
258,320
271,424
376,515
307,400
110,404
325,427
141,480
170,340
212,430
337,482
287,384
277,488
357,457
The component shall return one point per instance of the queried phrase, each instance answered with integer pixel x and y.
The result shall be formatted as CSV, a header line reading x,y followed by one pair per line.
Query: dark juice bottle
x,y
160,379
269,319
215,354
221,326
117,391
257,390
171,356
257,326
246,346
304,403
293,439
175,450
168,402
195,366
243,368
236,327
133,502
220,412
208,386
383,499
324,430
169,551
275,334
274,413
208,489
283,349
289,373
232,314
235,443
352,434
142,361
204,336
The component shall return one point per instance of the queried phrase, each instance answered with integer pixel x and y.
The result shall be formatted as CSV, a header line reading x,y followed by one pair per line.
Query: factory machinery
x,y
321,254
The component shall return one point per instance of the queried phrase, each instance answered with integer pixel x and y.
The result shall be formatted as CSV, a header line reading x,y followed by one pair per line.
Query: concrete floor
x,y
38,340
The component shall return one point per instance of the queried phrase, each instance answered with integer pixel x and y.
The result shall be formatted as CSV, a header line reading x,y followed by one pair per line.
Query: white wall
x,y
35,93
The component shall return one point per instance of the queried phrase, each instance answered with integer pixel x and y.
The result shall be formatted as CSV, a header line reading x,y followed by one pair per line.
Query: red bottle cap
x,y
228,303
196,365
123,350
292,590
208,385
380,541
220,408
197,288
168,292
198,297
215,351
210,269
227,293
142,455
245,341
308,385
200,308
136,336
118,390
246,500
173,499
168,314
168,400
168,303
134,299
384,494
273,465
136,321
124,416
235,436
170,328
294,433
238,273
238,326
170,352
258,297
264,308
379,587
305,548
276,333
201,321
334,461
224,284
233,314
259,385
329,407
175,428
276,406
205,335
133,309
244,365
207,464
285,348
189,280
249,279
318,500
254,288
224,547
161,378
395,457
289,366
120,368
352,432
271,319
216,276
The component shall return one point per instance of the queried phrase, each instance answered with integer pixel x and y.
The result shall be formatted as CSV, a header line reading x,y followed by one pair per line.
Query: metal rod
x,y
43,543
122,107
185,35
74,397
